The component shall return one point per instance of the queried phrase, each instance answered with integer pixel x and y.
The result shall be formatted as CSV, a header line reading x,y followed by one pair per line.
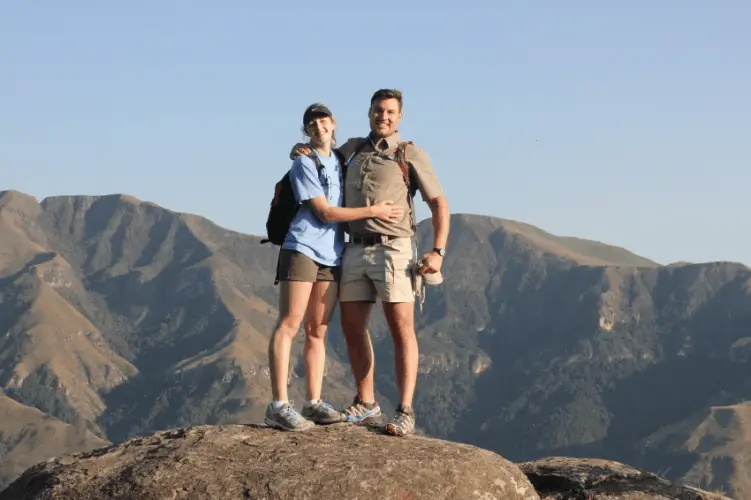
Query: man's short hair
x,y
382,94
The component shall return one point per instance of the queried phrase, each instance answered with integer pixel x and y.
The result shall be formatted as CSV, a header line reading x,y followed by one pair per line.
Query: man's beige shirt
x,y
372,177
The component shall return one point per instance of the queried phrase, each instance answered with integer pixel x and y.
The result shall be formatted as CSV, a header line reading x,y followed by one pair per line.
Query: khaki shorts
x,y
295,266
382,271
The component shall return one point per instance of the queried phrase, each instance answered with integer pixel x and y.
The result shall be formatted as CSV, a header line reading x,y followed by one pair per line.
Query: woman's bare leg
x,y
293,301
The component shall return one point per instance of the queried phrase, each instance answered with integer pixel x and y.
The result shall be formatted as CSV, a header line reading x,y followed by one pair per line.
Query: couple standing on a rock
x,y
364,187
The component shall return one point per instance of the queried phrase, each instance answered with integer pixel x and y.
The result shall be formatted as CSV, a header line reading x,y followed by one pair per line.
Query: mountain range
x,y
119,317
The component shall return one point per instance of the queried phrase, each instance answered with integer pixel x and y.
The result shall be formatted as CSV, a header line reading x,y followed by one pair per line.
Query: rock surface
x,y
562,478
255,462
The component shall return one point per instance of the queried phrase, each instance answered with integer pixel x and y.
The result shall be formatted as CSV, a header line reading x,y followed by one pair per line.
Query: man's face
x,y
384,117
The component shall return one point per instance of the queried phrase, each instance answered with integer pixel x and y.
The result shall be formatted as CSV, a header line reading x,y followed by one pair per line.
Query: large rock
x,y
562,478
254,462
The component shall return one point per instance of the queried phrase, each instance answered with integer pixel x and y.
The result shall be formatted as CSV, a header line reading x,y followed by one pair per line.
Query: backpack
x,y
284,207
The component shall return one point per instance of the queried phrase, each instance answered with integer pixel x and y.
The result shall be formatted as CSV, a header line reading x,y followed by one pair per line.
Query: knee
x,y
289,325
315,331
402,337
401,322
404,327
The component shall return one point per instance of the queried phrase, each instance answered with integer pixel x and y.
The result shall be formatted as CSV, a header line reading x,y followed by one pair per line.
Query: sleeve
x,y
427,181
304,178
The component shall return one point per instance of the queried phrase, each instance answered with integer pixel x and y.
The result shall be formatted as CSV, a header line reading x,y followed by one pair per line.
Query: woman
x,y
309,271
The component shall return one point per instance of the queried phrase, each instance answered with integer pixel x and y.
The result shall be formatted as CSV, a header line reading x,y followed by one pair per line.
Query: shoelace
x,y
326,405
356,410
403,420
403,415
290,410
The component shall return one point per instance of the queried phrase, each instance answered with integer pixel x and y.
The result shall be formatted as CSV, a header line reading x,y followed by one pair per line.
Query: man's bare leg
x,y
400,318
355,317
364,409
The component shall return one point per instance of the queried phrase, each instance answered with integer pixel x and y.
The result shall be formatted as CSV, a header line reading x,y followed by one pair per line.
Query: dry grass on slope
x,y
28,436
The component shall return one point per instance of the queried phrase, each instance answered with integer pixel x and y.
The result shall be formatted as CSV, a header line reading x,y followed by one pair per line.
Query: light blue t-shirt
x,y
324,243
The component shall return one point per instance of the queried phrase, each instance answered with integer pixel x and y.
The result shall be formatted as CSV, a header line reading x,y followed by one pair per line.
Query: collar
x,y
390,142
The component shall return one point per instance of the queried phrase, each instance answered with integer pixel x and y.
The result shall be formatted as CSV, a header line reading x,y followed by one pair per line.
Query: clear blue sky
x,y
625,122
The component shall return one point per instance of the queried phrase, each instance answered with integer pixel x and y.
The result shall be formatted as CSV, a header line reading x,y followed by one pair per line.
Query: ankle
x,y
367,401
276,404
405,408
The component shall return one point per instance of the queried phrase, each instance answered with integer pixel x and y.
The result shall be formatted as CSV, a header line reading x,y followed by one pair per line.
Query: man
x,y
379,260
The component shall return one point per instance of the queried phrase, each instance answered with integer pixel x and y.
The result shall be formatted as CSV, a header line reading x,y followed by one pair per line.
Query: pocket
x,y
399,270
351,264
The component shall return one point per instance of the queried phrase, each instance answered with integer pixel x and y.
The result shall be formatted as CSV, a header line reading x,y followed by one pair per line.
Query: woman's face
x,y
320,129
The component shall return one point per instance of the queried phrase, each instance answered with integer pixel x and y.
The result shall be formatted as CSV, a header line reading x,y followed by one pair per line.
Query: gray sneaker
x,y
403,422
360,413
321,413
286,418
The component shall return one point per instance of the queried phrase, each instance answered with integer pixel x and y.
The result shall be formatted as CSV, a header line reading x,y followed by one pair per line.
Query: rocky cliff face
x,y
119,317
563,478
339,461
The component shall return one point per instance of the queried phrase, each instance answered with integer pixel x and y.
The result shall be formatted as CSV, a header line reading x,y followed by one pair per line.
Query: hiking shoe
x,y
286,418
321,413
368,414
403,422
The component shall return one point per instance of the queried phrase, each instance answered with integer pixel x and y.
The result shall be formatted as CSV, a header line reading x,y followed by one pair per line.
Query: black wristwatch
x,y
440,251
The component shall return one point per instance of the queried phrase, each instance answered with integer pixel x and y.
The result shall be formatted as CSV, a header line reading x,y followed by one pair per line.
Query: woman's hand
x,y
387,211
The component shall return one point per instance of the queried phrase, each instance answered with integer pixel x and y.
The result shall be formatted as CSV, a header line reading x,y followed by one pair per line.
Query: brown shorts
x,y
382,271
295,266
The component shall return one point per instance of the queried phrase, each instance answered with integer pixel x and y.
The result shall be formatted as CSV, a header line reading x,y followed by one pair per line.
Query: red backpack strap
x,y
401,159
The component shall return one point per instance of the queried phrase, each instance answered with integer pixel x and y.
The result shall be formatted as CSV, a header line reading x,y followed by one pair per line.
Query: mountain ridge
x,y
529,231
534,344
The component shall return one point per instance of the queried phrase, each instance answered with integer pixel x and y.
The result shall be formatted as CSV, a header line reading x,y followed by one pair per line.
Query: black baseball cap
x,y
314,110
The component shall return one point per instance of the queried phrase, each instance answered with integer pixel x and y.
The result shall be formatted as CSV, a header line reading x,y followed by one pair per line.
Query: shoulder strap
x,y
319,166
313,156
342,168
401,159
339,156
